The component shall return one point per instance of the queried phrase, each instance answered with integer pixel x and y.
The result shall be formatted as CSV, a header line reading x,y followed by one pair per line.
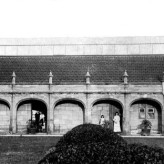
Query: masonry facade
x,y
69,90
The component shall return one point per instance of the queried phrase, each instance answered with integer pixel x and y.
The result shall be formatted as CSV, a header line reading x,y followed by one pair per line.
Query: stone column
x,y
88,106
50,112
126,115
50,107
13,110
11,113
163,121
88,110
162,110
13,116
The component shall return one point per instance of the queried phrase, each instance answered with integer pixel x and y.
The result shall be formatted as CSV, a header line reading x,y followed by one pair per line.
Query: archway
x,y
67,114
146,109
32,111
108,108
4,116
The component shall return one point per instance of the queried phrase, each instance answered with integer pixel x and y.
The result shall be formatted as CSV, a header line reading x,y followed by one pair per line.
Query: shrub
x,y
144,154
93,144
88,144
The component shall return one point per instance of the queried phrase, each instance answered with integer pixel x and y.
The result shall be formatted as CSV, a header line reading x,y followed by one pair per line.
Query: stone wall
x,y
4,118
23,116
83,95
66,116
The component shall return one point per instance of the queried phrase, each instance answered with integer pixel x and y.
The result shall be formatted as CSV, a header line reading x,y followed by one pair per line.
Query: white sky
x,y
81,18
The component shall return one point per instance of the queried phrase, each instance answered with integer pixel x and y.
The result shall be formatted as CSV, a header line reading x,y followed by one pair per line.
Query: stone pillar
x,y
163,121
13,110
126,115
13,116
88,106
50,107
163,103
50,112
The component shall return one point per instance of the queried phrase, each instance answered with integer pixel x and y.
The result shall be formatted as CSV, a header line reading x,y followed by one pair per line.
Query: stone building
x,y
72,81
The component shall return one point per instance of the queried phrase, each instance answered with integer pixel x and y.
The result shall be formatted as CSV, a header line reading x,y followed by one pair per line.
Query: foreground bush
x,y
92,144
88,144
144,154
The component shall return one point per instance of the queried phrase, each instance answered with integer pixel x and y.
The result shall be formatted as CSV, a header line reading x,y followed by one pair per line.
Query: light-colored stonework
x,y
86,96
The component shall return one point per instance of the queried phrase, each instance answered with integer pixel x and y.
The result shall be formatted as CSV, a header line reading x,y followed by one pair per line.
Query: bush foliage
x,y
144,154
89,143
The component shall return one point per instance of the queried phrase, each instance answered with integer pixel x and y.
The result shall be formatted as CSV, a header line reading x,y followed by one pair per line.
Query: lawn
x,y
24,150
30,149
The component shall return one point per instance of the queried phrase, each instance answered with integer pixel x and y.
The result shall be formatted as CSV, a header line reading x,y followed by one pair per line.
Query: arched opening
x,y
4,117
108,108
67,114
32,111
146,109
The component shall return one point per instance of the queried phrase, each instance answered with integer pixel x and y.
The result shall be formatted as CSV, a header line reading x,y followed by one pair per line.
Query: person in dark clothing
x,y
37,119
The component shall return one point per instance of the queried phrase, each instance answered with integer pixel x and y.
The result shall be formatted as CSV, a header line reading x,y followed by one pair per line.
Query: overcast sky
x,y
81,18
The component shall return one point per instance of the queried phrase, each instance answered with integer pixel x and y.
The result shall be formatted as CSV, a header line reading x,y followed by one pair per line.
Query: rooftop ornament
x,y
125,77
87,77
13,78
50,77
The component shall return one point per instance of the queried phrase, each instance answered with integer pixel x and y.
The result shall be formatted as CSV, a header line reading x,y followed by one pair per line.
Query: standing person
x,y
116,120
37,119
102,121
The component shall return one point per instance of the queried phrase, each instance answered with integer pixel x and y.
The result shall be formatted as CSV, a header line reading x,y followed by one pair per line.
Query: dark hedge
x,y
88,143
144,154
92,144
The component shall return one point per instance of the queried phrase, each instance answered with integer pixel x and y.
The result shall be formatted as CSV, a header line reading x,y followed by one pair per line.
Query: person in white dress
x,y
116,120
102,121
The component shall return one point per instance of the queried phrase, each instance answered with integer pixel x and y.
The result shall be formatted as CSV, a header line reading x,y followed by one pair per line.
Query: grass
x,y
30,149
24,150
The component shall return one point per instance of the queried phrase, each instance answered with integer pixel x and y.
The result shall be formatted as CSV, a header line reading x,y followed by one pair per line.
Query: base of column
x,y
14,130
50,127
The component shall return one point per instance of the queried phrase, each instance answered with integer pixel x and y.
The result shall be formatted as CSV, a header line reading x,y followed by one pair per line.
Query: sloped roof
x,y
145,69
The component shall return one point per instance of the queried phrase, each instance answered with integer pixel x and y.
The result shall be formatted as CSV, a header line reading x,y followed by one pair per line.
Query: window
x,y
146,113
150,113
142,113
